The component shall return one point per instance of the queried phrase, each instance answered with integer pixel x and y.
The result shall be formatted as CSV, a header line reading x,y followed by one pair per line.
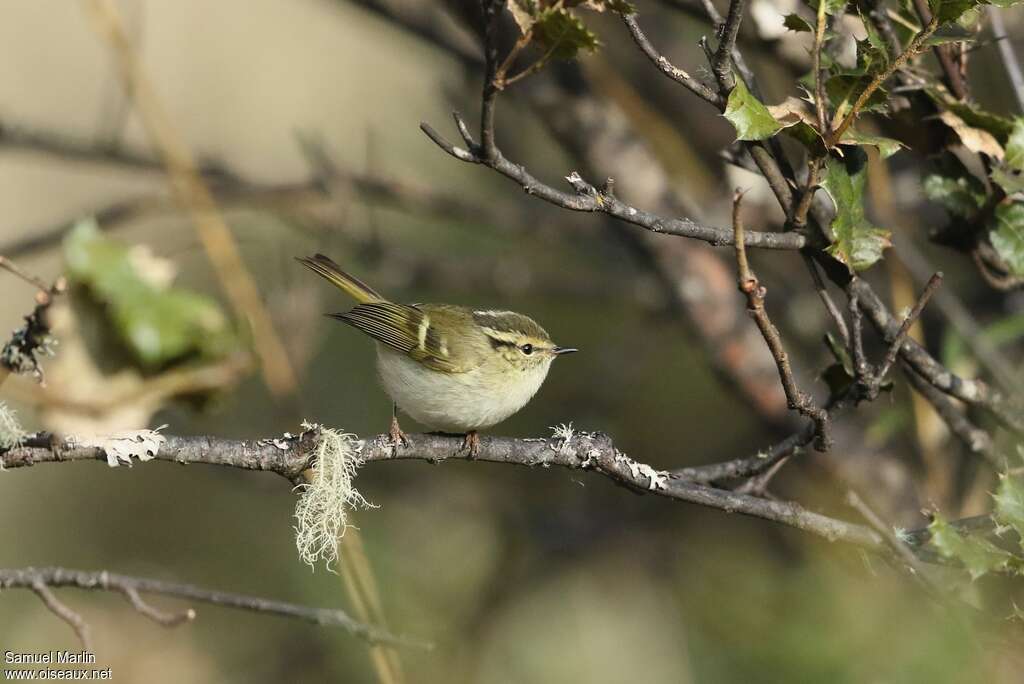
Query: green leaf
x,y
951,33
978,556
157,323
961,196
886,146
1008,237
1014,158
794,22
857,243
843,90
562,34
749,116
1009,499
950,10
1011,183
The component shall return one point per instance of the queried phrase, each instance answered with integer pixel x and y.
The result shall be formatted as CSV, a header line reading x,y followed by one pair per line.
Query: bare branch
x,y
974,392
589,198
289,456
908,321
755,293
675,73
41,580
721,64
62,611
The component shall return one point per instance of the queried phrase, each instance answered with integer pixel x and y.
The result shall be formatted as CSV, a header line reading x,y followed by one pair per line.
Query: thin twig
x,y
894,346
721,65
157,616
826,299
13,268
42,579
755,293
589,199
664,66
819,82
913,48
62,611
912,562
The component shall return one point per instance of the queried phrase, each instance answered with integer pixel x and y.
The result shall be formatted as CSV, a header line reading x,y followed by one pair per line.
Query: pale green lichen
x,y
321,513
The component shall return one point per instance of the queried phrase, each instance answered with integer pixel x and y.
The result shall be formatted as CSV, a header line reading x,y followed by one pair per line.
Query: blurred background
x,y
303,116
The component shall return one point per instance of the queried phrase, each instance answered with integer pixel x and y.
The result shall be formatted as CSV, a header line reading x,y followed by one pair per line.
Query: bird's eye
x,y
527,349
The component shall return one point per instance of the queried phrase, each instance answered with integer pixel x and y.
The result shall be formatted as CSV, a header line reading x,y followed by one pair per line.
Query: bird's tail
x,y
357,289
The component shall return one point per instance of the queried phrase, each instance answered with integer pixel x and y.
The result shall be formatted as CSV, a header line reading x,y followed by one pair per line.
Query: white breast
x,y
454,402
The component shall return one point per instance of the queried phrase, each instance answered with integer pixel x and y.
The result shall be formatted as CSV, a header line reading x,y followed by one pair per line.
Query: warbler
x,y
452,368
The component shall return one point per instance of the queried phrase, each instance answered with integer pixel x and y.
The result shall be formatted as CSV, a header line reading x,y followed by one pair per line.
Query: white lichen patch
x,y
564,434
902,534
11,433
656,479
122,447
321,513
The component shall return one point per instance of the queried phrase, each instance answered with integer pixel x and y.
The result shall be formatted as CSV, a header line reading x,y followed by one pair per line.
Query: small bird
x,y
452,368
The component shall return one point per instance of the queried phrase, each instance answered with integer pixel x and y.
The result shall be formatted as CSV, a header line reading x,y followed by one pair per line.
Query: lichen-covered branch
x,y
290,455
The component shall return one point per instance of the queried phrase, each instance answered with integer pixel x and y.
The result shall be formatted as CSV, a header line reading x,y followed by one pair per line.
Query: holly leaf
x,y
1014,158
978,556
961,196
562,34
794,22
857,243
1009,500
1011,182
886,146
950,10
749,116
157,322
975,139
1008,236
843,90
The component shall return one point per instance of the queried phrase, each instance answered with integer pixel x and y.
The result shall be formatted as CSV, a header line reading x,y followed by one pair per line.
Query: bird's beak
x,y
558,351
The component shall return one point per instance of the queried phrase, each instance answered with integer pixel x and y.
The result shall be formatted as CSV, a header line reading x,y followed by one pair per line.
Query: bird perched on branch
x,y
451,368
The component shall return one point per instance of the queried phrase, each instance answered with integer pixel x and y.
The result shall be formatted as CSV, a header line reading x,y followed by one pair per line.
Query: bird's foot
x,y
398,438
471,443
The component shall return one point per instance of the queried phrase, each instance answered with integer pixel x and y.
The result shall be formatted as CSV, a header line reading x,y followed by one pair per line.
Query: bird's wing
x,y
406,329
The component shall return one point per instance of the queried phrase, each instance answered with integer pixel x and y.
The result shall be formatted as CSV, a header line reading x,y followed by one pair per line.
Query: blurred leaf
x,y
749,116
1015,146
952,33
973,115
524,12
1006,330
1008,237
157,323
950,10
562,34
832,7
794,22
1009,498
891,422
978,556
974,139
1010,182
620,6
857,243
961,196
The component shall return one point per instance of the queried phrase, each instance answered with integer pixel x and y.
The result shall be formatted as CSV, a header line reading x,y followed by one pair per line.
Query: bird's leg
x,y
471,443
398,437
